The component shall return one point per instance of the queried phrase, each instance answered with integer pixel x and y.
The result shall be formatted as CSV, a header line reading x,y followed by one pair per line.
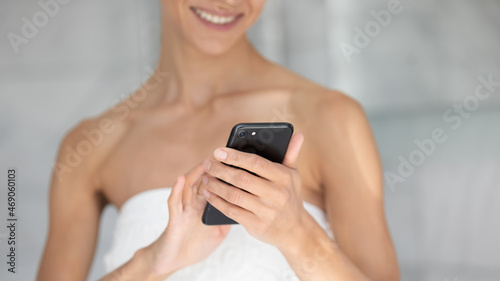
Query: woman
x,y
209,78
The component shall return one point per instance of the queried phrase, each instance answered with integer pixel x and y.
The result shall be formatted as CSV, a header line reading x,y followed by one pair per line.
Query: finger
x,y
193,180
195,174
175,198
236,213
248,161
236,177
232,194
292,153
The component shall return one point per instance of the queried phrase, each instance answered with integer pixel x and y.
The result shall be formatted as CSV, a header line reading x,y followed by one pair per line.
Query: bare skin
x,y
178,122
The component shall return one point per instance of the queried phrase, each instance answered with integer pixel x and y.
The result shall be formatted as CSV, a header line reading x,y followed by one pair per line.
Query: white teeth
x,y
213,18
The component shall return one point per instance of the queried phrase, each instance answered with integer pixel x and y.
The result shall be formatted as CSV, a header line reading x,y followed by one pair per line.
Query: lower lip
x,y
223,27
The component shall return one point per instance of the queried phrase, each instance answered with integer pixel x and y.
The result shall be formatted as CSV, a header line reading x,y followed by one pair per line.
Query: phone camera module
x,y
242,134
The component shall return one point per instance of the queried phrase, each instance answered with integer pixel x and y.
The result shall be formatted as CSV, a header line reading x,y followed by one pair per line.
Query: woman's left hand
x,y
272,209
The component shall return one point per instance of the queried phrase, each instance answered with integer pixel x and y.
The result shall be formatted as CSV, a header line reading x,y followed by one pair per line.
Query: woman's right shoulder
x,y
87,144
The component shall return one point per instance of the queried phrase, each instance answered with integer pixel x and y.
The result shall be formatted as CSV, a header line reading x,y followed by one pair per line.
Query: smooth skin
x,y
167,133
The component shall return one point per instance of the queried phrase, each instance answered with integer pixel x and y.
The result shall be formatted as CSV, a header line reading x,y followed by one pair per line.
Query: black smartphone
x,y
269,140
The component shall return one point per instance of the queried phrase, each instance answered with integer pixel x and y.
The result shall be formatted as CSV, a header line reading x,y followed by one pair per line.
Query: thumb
x,y
292,153
175,198
193,180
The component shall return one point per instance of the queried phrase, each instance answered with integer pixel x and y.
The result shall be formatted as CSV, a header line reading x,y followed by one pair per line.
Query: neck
x,y
195,78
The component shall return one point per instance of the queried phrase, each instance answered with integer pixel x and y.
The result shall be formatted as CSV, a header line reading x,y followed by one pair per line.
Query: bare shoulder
x,y
325,115
319,106
331,118
338,131
339,125
85,146
337,110
76,201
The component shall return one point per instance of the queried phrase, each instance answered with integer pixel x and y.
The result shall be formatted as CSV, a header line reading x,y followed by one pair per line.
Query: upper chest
x,y
158,147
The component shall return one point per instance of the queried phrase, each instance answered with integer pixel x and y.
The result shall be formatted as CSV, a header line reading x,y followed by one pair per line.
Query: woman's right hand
x,y
186,240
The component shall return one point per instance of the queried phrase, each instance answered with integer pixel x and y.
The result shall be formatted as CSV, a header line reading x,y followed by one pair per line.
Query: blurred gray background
x,y
444,217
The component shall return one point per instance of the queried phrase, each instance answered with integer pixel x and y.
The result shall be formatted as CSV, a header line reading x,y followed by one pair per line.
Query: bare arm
x,y
137,268
352,181
76,204
75,208
355,197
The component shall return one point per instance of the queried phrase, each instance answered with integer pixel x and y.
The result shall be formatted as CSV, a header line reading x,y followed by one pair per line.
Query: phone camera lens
x,y
242,134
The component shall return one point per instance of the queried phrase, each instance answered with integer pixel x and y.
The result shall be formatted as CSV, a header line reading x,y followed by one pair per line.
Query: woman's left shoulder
x,y
340,137
315,105
327,107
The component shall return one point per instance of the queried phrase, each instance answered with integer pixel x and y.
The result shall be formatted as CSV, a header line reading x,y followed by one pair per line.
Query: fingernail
x,y
205,180
206,193
220,154
207,164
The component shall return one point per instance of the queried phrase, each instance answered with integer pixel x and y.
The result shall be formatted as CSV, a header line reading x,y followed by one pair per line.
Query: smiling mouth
x,y
215,19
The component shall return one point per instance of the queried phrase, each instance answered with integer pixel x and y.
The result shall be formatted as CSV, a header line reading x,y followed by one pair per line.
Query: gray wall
x,y
444,217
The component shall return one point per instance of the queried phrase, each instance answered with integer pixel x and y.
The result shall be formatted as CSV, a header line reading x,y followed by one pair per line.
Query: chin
x,y
214,47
